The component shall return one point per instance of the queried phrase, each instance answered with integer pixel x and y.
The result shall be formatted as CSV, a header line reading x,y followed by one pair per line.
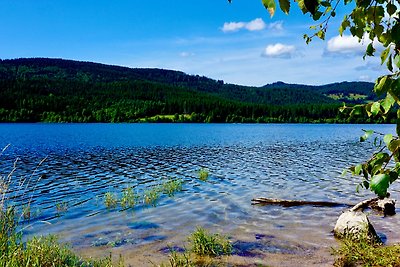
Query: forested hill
x,y
57,90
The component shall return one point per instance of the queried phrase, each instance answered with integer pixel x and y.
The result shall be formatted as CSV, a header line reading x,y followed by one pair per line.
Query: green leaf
x,y
394,91
302,6
370,50
393,176
375,108
396,60
382,85
285,6
385,54
394,146
398,124
366,135
387,103
388,138
321,34
391,9
379,184
311,6
317,15
270,5
325,4
389,64
358,169
357,110
345,24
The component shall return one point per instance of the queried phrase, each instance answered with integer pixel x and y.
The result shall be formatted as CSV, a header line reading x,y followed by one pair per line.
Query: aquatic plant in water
x,y
203,174
110,200
171,186
152,195
61,206
129,198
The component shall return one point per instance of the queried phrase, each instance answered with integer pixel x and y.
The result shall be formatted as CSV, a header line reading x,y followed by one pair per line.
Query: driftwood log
x,y
386,205
294,203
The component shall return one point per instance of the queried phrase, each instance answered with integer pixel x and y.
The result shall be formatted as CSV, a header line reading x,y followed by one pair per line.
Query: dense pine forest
x,y
57,90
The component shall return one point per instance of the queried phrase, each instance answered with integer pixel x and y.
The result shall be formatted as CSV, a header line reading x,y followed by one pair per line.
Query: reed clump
x,y
152,195
207,244
172,186
110,200
129,198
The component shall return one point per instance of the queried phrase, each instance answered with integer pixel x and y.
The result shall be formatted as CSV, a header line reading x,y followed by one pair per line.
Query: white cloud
x,y
276,26
186,54
233,26
279,50
254,25
345,44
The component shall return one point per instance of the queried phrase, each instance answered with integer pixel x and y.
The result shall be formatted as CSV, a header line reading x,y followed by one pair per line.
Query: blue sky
x,y
238,43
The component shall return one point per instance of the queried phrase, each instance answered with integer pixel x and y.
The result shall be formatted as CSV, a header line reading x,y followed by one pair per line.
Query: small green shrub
x,y
171,186
365,253
204,243
203,174
110,200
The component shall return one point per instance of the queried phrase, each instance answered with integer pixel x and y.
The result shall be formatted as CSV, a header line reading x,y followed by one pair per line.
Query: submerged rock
x,y
355,225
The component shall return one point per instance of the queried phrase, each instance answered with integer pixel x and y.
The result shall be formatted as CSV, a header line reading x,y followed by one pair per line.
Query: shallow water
x,y
287,161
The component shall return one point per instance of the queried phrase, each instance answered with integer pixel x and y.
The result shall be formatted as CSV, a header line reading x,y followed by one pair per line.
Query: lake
x,y
244,161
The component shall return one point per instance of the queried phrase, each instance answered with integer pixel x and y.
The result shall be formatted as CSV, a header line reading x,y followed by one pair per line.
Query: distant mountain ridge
x,y
152,92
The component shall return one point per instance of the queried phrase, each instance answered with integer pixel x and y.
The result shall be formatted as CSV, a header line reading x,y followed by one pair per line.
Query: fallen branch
x,y
386,205
363,204
293,203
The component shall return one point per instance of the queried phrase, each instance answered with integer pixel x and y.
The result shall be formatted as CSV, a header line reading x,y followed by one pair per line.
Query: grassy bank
x,y
363,253
38,251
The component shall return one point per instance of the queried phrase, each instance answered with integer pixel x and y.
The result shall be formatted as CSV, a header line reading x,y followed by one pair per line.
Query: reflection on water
x,y
300,162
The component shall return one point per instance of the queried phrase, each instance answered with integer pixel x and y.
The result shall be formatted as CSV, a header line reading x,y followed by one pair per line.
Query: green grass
x,y
203,174
205,249
364,253
176,259
38,251
204,243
